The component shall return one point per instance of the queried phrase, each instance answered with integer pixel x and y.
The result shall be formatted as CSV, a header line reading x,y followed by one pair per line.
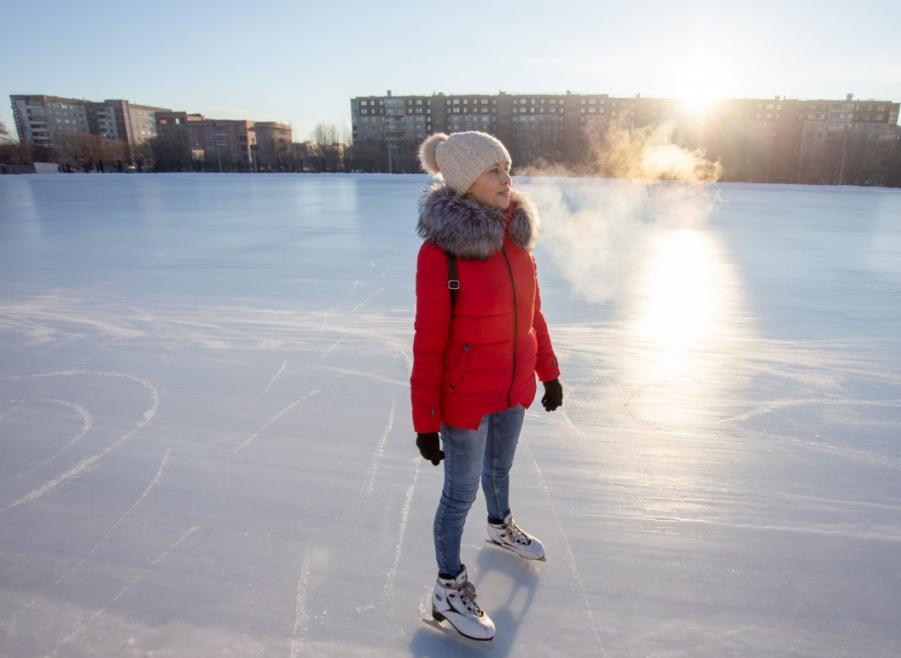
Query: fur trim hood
x,y
469,229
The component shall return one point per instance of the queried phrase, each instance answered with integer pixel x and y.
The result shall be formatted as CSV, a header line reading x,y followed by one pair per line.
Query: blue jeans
x,y
469,455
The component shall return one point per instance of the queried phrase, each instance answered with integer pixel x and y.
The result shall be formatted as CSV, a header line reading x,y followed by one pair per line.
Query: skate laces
x,y
468,596
517,534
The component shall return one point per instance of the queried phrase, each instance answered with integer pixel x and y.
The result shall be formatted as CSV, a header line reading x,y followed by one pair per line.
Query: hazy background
x,y
301,62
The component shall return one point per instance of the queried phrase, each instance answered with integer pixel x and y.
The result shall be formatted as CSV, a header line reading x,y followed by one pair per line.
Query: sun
x,y
699,102
700,82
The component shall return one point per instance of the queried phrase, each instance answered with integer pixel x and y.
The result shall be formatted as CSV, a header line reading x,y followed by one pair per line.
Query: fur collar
x,y
470,230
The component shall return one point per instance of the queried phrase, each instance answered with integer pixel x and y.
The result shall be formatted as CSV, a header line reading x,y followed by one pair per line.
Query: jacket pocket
x,y
459,370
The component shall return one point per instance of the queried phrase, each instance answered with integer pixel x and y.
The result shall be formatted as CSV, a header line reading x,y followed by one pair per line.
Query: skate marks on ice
x,y
101,542
331,348
823,389
278,374
153,483
811,437
87,422
570,393
42,318
220,327
301,631
570,556
253,437
391,576
377,455
85,625
387,596
368,299
90,461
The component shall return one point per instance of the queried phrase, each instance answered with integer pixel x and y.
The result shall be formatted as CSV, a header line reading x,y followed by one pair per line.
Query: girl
x,y
480,339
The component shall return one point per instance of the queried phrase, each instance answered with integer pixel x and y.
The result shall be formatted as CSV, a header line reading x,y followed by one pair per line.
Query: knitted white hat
x,y
461,157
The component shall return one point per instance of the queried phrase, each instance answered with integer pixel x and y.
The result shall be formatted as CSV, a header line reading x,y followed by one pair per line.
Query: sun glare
x,y
684,310
699,102
681,291
701,81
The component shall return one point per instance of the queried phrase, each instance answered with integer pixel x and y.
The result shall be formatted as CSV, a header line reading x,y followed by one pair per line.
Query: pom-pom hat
x,y
460,158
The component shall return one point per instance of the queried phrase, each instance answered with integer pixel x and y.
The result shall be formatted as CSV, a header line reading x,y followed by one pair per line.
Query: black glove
x,y
553,395
429,447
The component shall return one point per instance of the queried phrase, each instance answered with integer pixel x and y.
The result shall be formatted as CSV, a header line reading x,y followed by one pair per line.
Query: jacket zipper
x,y
515,327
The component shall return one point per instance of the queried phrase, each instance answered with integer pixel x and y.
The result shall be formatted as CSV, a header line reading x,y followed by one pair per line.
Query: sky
x,y
301,62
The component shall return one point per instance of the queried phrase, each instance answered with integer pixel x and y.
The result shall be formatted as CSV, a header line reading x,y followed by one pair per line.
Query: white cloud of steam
x,y
601,232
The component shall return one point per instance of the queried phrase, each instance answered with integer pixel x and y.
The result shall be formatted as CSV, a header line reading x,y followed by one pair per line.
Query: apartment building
x,y
225,142
553,127
532,126
172,122
45,120
121,120
841,140
273,143
776,139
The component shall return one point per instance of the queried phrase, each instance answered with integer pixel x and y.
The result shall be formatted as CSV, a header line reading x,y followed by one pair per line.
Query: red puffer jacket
x,y
484,359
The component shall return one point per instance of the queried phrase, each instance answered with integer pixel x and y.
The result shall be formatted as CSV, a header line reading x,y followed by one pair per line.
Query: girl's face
x,y
492,188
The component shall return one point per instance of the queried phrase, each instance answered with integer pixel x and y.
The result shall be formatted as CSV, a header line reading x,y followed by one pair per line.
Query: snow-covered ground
x,y
206,445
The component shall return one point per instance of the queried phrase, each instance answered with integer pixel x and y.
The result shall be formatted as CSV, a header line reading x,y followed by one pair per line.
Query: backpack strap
x,y
453,282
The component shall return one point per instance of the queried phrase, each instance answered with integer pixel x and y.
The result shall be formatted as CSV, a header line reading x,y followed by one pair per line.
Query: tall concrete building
x,y
756,139
840,140
45,120
121,120
553,127
776,140
532,126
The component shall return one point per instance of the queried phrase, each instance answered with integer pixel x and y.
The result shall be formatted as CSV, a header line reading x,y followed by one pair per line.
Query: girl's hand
x,y
553,395
429,447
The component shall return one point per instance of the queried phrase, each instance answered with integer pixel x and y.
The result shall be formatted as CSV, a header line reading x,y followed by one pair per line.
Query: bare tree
x,y
11,152
328,148
87,151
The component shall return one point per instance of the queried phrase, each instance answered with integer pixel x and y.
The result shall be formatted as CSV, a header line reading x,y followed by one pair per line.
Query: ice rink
x,y
207,447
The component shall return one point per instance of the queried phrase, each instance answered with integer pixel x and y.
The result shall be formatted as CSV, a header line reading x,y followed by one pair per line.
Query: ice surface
x,y
206,445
